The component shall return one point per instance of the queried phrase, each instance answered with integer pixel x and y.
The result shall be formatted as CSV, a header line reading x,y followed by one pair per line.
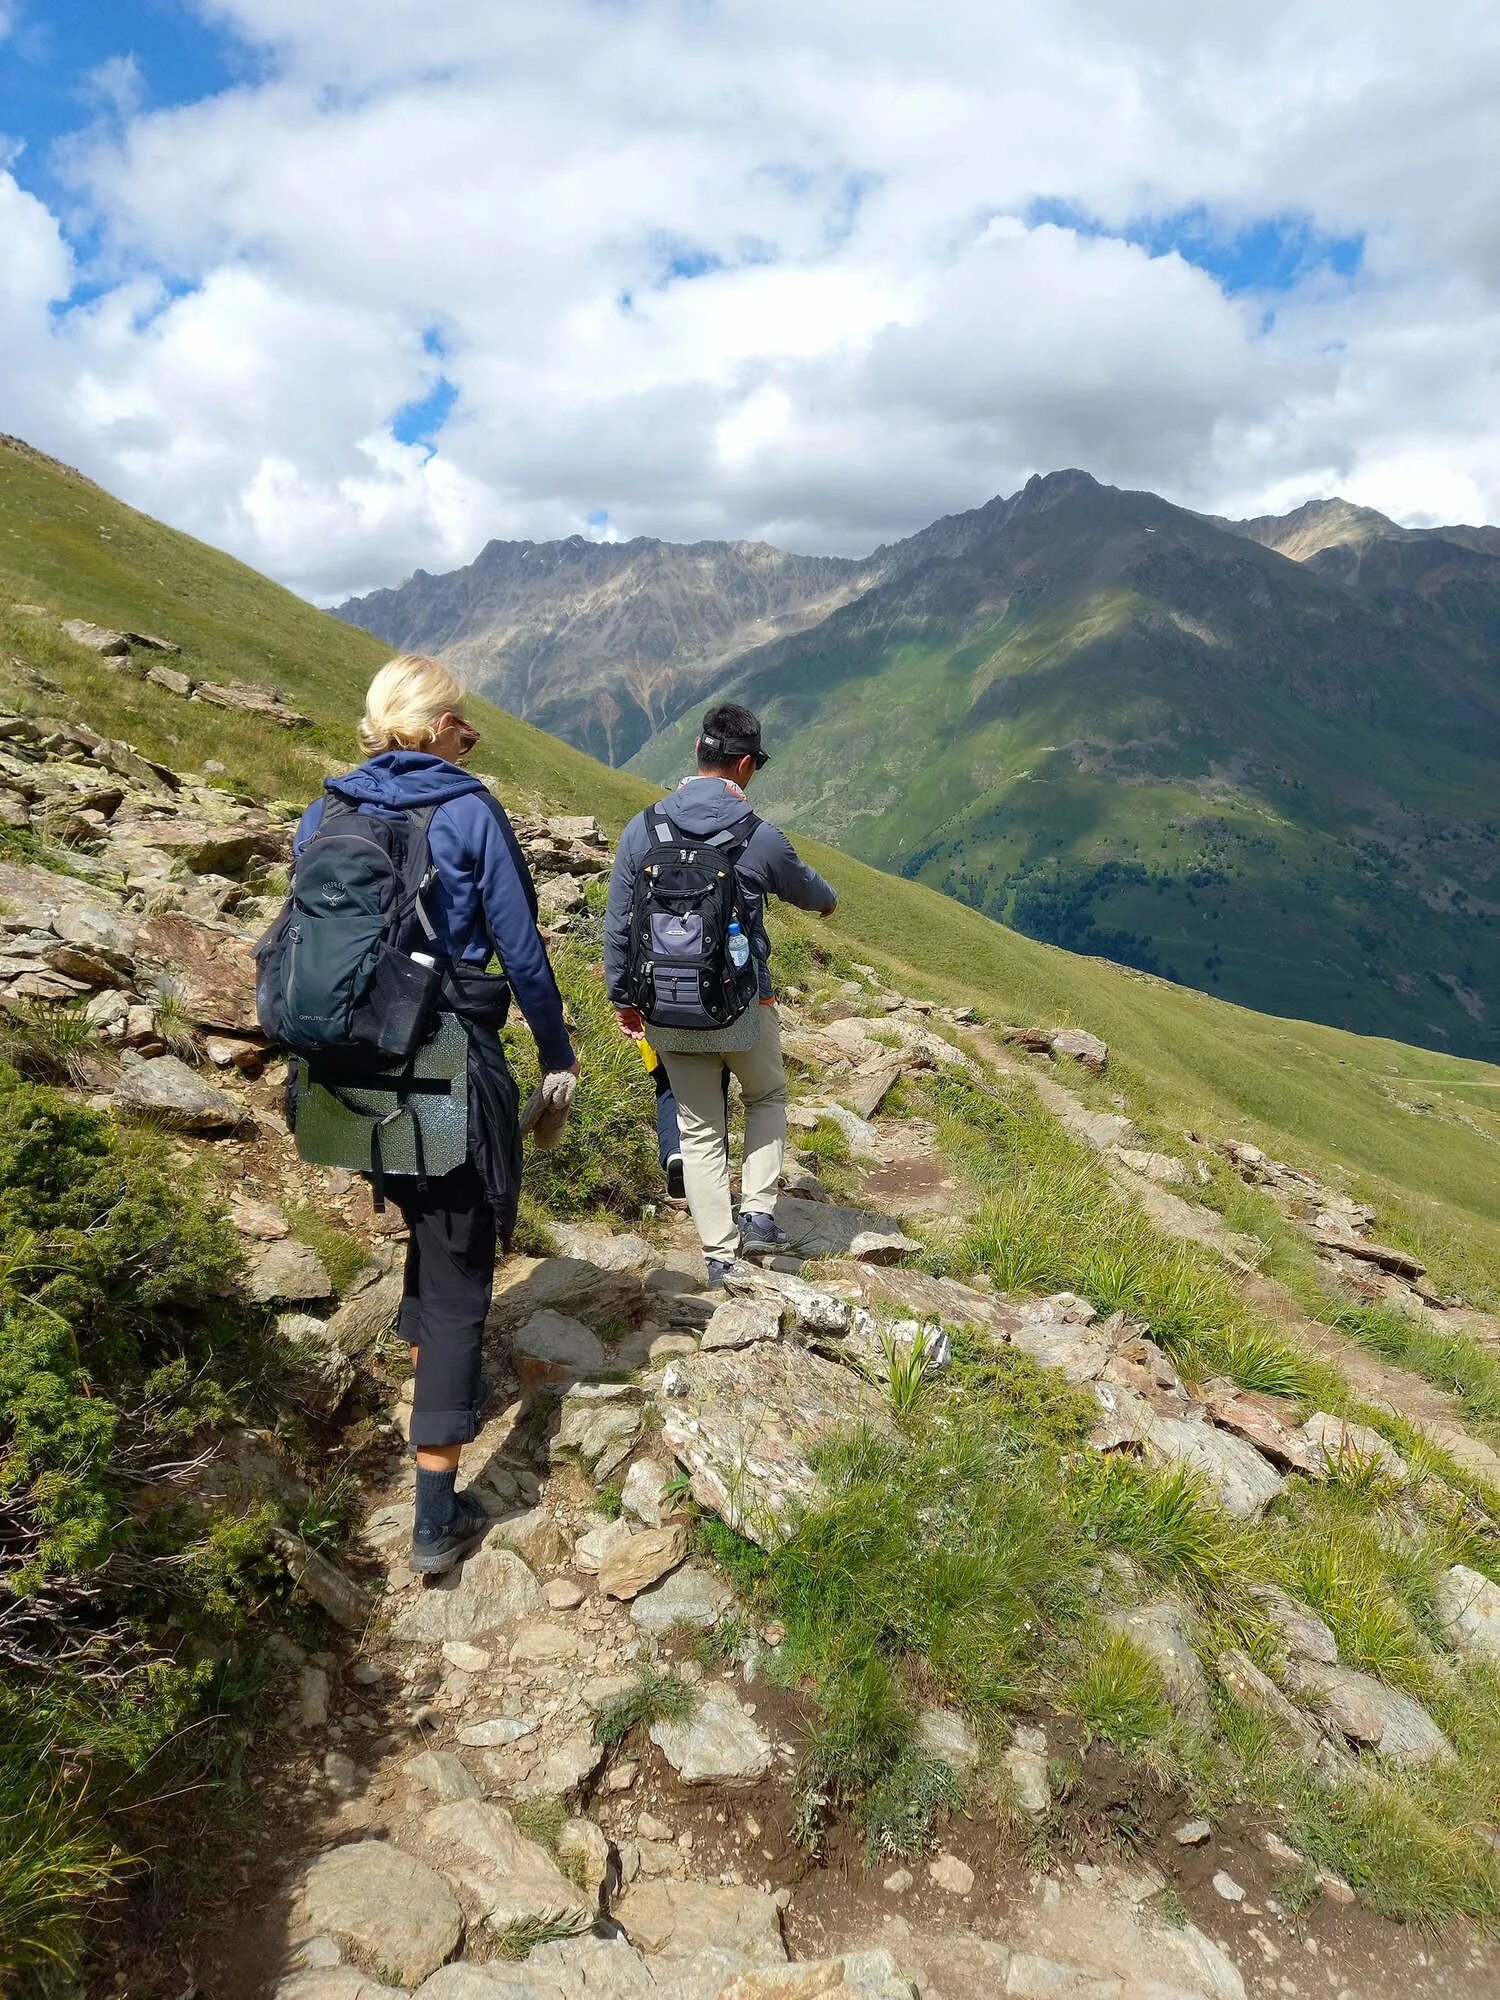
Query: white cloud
x,y
760,268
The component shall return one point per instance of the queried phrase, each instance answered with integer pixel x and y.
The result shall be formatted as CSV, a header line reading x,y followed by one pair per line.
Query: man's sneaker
x,y
435,1555
718,1269
676,1179
759,1236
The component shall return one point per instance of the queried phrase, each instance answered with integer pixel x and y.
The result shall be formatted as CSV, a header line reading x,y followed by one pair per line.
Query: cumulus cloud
x,y
816,274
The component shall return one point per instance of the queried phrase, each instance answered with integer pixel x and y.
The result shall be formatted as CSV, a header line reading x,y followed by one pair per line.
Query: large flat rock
x,y
208,967
745,1423
720,1743
493,1591
569,1285
173,1096
676,1919
391,1909
826,1229
492,1864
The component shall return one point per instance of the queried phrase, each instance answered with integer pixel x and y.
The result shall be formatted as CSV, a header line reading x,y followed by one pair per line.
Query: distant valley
x,y
1256,756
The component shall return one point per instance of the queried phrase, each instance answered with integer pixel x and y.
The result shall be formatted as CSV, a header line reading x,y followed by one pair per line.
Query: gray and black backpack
x,y
336,980
680,972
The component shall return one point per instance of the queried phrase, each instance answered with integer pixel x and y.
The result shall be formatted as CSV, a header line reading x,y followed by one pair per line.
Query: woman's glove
x,y
546,1110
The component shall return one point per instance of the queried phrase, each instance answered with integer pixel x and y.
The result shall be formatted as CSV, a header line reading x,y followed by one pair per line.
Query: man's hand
x,y
631,1023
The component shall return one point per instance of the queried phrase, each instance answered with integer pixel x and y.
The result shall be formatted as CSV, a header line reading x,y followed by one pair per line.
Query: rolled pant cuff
x,y
432,1429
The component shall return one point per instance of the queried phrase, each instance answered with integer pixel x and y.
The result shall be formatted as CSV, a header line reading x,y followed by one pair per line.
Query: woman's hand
x,y
631,1023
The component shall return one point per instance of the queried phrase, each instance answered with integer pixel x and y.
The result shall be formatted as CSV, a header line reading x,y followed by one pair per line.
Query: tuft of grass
x,y
521,1935
1117,1694
906,1371
342,1254
606,1160
174,1022
1165,1521
48,1043
541,1820
827,1146
331,1512
55,1861
898,1811
654,1696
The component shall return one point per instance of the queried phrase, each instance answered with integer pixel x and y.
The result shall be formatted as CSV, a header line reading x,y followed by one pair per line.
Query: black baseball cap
x,y
724,745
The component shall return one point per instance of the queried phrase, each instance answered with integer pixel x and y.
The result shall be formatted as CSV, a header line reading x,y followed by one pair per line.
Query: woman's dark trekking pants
x,y
450,1276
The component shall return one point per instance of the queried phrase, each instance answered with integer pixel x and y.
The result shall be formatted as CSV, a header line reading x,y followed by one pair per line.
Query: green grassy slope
x,y
1117,728
1417,1132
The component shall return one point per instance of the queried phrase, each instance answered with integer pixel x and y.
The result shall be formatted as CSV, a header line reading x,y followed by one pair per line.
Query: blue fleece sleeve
x,y
775,867
628,857
509,900
307,826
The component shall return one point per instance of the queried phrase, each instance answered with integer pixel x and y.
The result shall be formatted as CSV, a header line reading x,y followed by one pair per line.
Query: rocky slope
x,y
459,1799
602,642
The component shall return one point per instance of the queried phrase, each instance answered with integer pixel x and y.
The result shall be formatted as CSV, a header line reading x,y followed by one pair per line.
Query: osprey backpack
x,y
335,978
680,971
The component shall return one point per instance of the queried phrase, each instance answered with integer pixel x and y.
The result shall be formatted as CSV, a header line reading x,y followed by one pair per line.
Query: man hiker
x,y
687,964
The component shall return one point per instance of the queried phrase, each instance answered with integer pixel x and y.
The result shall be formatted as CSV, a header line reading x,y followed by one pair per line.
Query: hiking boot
x,y
718,1269
676,1179
759,1236
435,1555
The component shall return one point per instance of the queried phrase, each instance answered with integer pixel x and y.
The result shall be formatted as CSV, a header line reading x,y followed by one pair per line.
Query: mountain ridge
x,y
1254,754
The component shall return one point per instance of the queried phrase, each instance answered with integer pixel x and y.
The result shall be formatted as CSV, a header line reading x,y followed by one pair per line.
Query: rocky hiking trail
x,y
454,1772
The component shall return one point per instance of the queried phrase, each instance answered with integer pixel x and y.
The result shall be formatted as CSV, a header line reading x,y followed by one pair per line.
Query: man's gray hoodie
x,y
768,867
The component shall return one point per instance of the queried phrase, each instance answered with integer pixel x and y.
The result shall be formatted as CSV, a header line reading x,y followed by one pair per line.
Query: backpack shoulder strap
x,y
736,838
661,825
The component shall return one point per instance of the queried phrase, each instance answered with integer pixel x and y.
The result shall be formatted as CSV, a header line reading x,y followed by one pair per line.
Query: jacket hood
x,y
401,778
705,805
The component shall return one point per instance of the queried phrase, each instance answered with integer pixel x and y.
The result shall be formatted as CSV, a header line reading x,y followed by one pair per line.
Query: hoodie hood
x,y
705,805
399,779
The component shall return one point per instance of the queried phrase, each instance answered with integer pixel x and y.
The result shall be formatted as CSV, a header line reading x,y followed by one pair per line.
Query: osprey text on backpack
x,y
334,980
687,896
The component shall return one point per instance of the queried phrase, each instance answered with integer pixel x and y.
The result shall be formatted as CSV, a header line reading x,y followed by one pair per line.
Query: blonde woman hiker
x,y
687,963
409,864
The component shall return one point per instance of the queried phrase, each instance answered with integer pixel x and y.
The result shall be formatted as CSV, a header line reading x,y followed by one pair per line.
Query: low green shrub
x,y
123,1351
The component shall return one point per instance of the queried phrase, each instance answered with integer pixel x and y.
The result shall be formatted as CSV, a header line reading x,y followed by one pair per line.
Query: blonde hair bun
x,y
406,701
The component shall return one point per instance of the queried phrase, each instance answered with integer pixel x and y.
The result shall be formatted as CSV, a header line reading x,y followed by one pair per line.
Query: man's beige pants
x,y
697,1084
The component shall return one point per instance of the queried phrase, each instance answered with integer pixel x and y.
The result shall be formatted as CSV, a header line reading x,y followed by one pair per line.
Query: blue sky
x,y
56,45
417,274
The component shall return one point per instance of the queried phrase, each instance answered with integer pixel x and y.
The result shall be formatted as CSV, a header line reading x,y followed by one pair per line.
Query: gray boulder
x,y
719,1744
690,1597
493,1591
1162,1632
677,1919
170,1094
491,1862
286,1272
1372,1715
1468,1612
389,1908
